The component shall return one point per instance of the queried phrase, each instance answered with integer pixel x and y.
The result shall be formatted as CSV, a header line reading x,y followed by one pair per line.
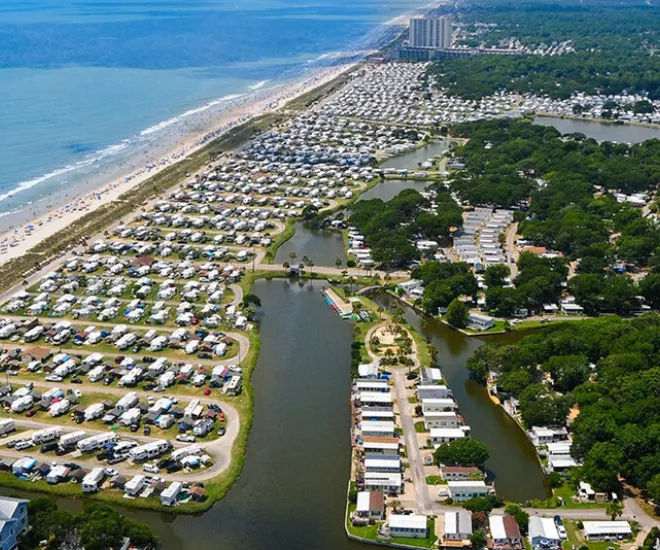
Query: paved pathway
x,y
219,448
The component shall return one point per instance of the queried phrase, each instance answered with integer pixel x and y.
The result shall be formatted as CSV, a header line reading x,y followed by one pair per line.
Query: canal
x,y
513,463
621,133
388,189
412,159
322,246
325,246
291,493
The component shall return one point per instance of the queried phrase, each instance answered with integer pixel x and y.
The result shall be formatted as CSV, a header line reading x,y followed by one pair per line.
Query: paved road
x,y
510,248
424,501
220,448
243,342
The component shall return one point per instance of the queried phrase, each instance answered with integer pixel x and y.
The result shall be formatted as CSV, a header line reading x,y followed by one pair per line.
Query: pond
x,y
621,133
322,246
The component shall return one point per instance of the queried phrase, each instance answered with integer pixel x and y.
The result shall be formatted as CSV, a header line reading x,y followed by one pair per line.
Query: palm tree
x,y
310,264
292,256
338,262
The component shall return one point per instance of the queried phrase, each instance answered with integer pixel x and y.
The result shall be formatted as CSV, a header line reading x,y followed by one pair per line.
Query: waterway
x,y
388,189
513,463
413,158
322,246
291,493
621,133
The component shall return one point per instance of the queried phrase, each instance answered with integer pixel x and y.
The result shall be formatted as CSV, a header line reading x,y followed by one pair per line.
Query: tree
x,y
292,256
542,407
568,371
496,274
521,517
653,489
602,465
504,301
457,314
478,540
251,299
555,480
462,452
649,286
614,509
338,262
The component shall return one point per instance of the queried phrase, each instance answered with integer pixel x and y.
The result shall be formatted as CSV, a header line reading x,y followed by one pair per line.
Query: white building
x,y
543,533
461,491
606,530
386,482
458,525
409,527
477,321
430,32
90,482
445,419
440,436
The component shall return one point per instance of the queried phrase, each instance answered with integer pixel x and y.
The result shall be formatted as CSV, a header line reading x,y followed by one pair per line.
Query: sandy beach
x,y
18,241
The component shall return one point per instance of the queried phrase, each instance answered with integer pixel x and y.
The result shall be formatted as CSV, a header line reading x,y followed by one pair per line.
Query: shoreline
x,y
598,120
17,242
48,241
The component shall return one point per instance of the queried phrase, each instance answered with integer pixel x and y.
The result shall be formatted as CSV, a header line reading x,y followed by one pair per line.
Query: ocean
x,y
92,89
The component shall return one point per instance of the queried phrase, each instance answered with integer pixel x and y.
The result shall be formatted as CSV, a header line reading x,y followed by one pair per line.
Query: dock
x,y
343,308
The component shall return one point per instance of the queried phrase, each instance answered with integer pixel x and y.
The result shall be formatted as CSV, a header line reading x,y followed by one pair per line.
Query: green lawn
x,y
576,538
566,492
498,328
434,480
370,532
419,427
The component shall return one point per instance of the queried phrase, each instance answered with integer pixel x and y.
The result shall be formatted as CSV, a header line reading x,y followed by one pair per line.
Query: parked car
x,y
150,468
22,445
48,447
185,438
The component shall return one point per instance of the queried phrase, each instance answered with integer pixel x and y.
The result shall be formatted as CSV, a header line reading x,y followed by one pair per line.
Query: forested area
x,y
557,77
443,282
389,227
609,369
614,51
569,207
97,527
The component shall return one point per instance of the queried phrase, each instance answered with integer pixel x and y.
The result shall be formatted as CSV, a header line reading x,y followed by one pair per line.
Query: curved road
x,y
219,448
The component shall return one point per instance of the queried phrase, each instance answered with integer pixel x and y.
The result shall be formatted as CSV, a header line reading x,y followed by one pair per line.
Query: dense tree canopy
x,y
608,369
390,227
97,527
462,452
443,282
